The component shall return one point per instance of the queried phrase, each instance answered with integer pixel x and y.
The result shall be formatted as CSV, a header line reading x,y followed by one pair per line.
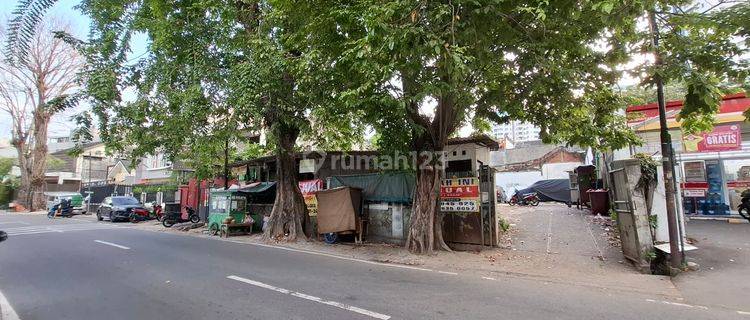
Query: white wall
x,y
558,170
472,152
511,181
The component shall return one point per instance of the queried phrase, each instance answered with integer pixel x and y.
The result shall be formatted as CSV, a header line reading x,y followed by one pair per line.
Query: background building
x,y
516,131
712,168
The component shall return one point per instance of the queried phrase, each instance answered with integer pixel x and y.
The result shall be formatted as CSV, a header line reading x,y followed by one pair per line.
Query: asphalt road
x,y
80,269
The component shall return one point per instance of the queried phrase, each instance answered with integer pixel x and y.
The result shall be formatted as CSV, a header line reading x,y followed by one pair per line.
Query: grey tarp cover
x,y
380,187
550,190
337,209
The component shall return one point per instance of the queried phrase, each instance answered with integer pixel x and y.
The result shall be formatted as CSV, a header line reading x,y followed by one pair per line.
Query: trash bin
x,y
599,201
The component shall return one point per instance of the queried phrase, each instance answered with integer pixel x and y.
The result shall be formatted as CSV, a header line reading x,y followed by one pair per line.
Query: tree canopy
x,y
472,61
704,47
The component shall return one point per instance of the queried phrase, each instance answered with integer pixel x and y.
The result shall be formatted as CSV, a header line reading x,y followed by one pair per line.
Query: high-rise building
x,y
516,131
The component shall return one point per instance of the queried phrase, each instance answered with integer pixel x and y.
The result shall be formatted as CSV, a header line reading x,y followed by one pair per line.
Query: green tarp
x,y
380,187
259,188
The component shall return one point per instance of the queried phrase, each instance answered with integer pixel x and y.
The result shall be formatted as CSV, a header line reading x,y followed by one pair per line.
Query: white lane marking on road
x,y
311,298
15,222
6,310
744,313
53,230
112,244
489,278
678,304
448,272
58,228
25,233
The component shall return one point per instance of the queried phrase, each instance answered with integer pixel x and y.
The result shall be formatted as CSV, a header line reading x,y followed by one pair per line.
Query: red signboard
x,y
738,184
459,192
459,195
722,138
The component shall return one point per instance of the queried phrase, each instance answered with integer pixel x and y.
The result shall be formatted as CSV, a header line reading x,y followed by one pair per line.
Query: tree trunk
x,y
24,188
426,225
289,210
38,161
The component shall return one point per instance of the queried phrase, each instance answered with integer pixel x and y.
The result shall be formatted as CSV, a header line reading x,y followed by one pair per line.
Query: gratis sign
x,y
459,195
722,138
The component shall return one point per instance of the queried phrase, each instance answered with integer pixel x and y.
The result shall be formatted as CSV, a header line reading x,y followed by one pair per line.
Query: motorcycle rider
x,y
744,207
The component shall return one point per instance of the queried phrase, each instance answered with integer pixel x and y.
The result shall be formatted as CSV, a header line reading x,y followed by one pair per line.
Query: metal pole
x,y
88,188
666,151
679,213
226,164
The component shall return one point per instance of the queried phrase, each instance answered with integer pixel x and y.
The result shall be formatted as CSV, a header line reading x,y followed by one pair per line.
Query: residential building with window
x,y
516,131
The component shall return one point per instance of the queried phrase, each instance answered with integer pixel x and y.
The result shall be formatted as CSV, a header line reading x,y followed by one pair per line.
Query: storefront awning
x,y
258,187
673,123
646,117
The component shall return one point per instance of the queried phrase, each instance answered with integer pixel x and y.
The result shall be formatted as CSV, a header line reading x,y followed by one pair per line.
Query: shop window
x,y
219,205
714,203
238,204
737,174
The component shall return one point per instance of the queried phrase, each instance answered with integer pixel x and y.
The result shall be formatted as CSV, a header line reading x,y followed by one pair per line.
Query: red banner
x,y
722,138
308,189
310,186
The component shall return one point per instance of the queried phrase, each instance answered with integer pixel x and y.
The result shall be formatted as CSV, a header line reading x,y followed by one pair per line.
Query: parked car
x,y
3,236
76,200
121,208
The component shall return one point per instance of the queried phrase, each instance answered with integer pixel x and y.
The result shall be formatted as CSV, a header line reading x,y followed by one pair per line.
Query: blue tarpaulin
x,y
550,190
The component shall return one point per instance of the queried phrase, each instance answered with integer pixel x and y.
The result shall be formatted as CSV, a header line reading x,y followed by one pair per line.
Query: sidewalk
x,y
724,258
577,252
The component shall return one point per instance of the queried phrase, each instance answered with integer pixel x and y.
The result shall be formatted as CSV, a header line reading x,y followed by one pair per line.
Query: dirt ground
x,y
550,242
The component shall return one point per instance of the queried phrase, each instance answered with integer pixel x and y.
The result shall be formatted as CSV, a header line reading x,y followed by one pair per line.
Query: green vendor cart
x,y
224,204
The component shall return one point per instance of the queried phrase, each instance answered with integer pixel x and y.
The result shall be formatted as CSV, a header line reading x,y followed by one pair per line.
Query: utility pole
x,y
88,191
667,154
226,164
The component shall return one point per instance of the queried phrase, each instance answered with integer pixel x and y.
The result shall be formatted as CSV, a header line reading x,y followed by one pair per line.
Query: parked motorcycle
x,y
525,199
170,218
154,210
63,209
744,207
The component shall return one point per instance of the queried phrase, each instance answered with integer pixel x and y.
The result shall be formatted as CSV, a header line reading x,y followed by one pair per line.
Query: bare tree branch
x,y
47,73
